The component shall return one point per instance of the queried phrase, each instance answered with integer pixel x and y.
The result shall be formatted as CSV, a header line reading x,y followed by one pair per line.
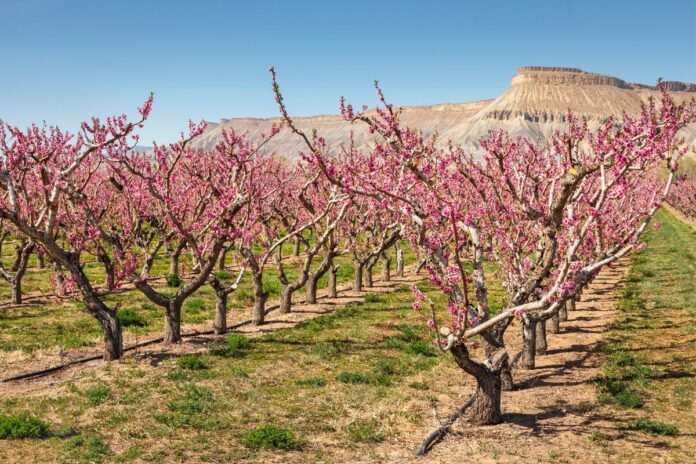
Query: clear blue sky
x,y
62,61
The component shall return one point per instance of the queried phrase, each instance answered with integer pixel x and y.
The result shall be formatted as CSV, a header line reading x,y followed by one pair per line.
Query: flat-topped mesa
x,y
551,75
563,76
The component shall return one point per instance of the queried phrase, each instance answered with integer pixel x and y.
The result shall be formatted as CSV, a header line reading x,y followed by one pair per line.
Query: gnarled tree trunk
x,y
485,409
386,271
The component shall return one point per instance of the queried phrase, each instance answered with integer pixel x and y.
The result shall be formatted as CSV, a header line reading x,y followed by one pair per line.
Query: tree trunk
x,y
506,381
17,291
555,324
296,248
18,256
223,258
174,260
113,338
563,312
333,270
572,304
367,274
40,263
399,262
172,322
220,323
386,264
259,299
21,269
541,345
358,278
486,408
528,344
286,299
311,290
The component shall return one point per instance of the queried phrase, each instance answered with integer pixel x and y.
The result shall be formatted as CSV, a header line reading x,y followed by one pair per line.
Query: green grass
x,y
653,427
130,318
271,437
192,362
365,431
646,362
87,449
22,426
98,394
235,345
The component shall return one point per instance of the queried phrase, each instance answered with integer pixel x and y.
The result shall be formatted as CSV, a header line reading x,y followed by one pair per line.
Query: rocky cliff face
x,y
535,105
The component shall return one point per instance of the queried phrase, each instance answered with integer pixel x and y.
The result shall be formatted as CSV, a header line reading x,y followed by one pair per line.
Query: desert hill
x,y
534,105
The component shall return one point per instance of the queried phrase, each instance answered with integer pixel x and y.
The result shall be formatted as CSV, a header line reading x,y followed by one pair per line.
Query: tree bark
x,y
172,322
486,408
386,271
40,263
358,278
399,262
259,298
286,299
333,270
220,323
223,258
367,274
563,312
541,345
113,338
527,359
296,247
572,304
174,259
555,324
17,291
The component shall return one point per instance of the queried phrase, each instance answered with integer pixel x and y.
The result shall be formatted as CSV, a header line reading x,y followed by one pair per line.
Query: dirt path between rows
x,y
550,418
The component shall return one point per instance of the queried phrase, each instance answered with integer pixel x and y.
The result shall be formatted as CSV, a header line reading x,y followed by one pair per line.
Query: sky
x,y
63,61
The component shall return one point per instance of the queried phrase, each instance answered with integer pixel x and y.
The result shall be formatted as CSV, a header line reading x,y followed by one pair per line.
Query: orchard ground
x,y
359,381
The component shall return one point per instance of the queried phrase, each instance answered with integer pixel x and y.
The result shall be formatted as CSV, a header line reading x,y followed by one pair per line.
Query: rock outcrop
x,y
535,104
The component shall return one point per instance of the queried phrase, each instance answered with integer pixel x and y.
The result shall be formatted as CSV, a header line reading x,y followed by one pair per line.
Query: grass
x,y
192,362
22,426
271,437
64,324
289,378
653,427
235,345
87,449
98,394
365,431
647,355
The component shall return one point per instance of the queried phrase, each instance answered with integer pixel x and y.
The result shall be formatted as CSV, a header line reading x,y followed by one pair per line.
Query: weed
x,y
22,426
92,448
653,427
311,382
173,280
192,362
235,346
97,394
130,318
271,437
365,431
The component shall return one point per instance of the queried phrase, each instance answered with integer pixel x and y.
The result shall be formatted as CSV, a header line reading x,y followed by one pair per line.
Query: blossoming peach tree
x,y
549,215
44,176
